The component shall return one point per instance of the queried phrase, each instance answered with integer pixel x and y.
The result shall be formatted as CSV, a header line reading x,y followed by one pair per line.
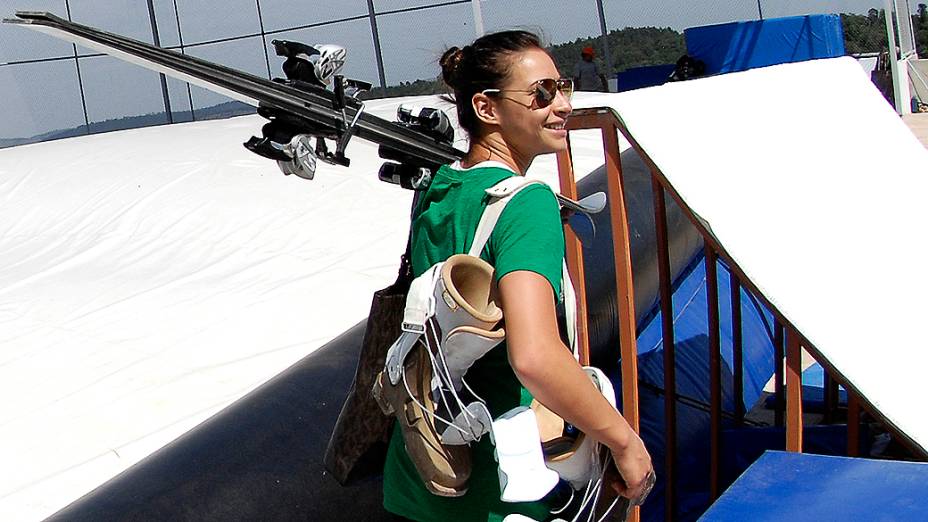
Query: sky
x,y
36,98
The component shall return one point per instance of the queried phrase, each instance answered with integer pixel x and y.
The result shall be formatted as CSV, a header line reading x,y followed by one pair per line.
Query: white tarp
x,y
817,190
150,277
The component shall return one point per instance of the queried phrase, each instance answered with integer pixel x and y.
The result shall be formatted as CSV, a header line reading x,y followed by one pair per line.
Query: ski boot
x,y
451,320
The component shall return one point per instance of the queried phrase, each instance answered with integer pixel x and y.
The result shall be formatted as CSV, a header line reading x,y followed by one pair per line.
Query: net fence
x,y
50,89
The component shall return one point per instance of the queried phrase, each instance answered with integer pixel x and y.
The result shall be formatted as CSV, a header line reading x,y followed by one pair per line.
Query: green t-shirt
x,y
528,236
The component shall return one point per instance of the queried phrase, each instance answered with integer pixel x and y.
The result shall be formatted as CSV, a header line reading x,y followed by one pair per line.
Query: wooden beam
x,y
670,374
574,256
793,391
625,296
831,398
778,375
737,357
715,373
853,424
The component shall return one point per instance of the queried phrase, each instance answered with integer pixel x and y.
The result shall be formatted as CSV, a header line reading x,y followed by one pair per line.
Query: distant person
x,y
586,73
687,68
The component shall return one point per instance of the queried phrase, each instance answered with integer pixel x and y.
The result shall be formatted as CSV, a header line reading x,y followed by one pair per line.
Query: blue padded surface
x,y
796,486
739,46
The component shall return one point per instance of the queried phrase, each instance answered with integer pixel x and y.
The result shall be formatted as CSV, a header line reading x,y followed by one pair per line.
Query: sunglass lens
x,y
566,86
545,91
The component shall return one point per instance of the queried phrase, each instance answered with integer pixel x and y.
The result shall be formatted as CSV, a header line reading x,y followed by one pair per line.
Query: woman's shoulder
x,y
485,172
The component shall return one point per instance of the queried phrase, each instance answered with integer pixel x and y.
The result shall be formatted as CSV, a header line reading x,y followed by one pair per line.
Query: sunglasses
x,y
544,90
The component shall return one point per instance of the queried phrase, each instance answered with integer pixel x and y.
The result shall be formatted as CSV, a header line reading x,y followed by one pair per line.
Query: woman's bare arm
x,y
550,373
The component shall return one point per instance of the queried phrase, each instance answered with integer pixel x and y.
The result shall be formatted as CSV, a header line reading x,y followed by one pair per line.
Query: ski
x,y
300,107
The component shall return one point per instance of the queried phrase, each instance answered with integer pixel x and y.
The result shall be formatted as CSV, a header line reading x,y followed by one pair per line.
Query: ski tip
x,y
25,17
33,14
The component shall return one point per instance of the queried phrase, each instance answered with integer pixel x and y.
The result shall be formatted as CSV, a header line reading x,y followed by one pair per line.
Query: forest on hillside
x,y
640,46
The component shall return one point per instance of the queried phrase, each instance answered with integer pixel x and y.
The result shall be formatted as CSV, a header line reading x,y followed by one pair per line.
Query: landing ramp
x,y
814,187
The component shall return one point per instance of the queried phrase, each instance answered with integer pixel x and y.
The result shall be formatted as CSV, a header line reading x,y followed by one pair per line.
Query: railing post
x,y
625,296
793,391
574,254
830,386
670,374
737,349
715,373
778,377
853,424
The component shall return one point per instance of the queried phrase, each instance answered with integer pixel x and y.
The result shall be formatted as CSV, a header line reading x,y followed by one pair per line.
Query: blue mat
x,y
796,486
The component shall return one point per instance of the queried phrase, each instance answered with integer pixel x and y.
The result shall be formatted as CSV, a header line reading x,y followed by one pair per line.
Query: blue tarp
x,y
742,445
738,46
692,374
646,76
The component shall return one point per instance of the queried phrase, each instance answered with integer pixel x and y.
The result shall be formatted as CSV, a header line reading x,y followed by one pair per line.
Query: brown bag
x,y
358,445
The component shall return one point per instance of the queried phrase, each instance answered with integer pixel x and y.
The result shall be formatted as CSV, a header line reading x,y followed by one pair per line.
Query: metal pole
x,y
267,60
760,11
180,40
602,27
378,54
156,39
900,76
478,18
80,81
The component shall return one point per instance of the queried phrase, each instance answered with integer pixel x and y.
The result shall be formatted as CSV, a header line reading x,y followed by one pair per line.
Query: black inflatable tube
x,y
261,458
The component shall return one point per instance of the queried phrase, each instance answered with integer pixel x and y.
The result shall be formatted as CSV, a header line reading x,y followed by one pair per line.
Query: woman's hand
x,y
634,467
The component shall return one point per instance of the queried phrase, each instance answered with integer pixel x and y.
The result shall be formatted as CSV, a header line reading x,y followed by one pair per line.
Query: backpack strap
x,y
502,193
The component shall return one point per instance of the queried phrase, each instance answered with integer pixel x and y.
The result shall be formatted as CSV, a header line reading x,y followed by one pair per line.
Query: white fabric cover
x,y
150,277
816,189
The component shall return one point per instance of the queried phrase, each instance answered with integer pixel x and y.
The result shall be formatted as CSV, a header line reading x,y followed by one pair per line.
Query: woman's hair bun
x,y
451,65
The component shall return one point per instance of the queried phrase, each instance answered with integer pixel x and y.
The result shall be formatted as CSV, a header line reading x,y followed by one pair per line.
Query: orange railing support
x,y
625,297
669,342
793,391
574,254
715,373
853,424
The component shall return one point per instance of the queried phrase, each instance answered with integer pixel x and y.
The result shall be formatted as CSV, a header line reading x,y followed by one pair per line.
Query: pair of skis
x,y
301,109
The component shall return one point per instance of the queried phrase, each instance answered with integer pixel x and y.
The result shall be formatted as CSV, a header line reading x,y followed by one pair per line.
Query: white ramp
x,y
150,277
816,189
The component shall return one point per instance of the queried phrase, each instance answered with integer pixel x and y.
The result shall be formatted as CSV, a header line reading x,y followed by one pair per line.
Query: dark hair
x,y
481,65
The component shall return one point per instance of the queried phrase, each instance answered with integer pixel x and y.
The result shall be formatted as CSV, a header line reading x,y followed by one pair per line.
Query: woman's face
x,y
528,129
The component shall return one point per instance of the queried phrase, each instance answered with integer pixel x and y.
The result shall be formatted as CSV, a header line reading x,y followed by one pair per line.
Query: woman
x,y
513,106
